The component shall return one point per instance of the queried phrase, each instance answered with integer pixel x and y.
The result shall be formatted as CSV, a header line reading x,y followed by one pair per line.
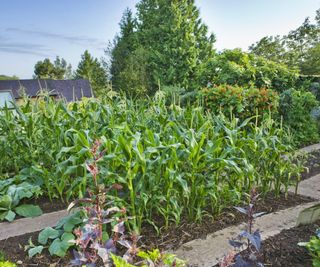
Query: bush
x,y
235,67
240,101
298,110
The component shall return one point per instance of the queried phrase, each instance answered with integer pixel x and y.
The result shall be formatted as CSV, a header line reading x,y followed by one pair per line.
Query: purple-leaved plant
x,y
91,245
248,238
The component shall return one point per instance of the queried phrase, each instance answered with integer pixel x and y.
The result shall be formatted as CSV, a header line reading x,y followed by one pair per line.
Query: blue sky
x,y
35,29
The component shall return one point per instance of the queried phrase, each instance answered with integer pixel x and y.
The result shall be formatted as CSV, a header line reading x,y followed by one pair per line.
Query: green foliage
x,y
295,108
90,68
5,77
269,47
239,101
162,259
57,70
166,44
299,48
128,64
313,247
2,256
57,240
11,195
151,258
310,65
235,67
182,55
170,160
7,264
120,262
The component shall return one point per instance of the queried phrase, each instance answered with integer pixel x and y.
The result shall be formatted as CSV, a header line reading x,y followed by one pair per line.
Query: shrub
x,y
240,101
235,67
298,110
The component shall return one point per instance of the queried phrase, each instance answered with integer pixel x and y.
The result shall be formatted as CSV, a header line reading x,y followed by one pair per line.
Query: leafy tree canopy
x,y
57,70
236,67
5,77
299,48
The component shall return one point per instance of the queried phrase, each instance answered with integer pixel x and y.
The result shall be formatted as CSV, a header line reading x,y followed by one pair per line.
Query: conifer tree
x,y
177,42
90,68
166,44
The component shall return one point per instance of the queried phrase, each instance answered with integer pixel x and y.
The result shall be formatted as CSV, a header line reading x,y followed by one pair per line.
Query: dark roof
x,y
69,89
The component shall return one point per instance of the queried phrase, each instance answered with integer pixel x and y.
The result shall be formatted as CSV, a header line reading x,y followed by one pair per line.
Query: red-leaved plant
x,y
93,243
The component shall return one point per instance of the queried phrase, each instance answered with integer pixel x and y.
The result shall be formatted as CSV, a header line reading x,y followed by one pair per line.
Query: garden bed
x,y
169,239
283,249
313,165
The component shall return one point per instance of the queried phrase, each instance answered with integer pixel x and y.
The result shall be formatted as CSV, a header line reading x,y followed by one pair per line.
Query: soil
x,y
283,249
313,165
175,236
14,250
170,238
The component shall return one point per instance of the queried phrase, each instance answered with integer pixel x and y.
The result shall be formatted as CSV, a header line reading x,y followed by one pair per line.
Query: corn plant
x,y
171,161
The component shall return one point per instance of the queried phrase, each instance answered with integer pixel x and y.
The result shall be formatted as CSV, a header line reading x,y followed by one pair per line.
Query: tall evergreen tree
x,y
177,42
90,68
128,59
167,43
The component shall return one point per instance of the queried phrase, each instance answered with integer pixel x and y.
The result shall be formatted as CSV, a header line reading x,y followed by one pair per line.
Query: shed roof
x,y
71,90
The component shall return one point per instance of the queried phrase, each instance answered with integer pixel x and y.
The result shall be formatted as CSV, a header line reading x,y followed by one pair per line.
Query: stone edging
x,y
29,225
310,148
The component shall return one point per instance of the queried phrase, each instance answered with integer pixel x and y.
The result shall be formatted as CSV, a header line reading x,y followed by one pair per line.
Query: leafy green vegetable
x,y
28,210
47,233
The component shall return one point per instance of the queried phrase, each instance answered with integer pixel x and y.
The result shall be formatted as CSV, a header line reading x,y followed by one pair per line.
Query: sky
x,y
36,29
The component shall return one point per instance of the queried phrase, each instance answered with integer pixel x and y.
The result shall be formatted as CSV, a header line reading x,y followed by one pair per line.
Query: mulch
x,y
313,165
283,249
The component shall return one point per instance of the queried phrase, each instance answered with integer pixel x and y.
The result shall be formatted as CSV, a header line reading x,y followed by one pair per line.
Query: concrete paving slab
x,y
310,148
207,252
309,187
29,225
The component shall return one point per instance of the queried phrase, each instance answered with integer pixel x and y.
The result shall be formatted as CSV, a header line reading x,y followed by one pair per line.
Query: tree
x,y
57,70
270,47
62,66
128,65
5,77
90,68
299,48
177,42
311,63
166,44
133,78
235,67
